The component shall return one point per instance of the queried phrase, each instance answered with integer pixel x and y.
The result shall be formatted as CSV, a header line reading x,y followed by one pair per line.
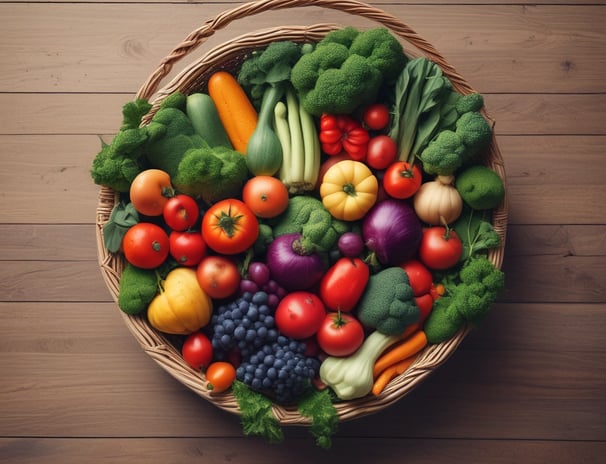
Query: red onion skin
x,y
392,230
290,269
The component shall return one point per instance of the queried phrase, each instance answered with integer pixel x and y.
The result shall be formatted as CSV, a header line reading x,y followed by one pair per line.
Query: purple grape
x,y
350,244
259,273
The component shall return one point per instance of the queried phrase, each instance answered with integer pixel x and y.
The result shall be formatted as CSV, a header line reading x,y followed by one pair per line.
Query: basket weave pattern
x,y
193,78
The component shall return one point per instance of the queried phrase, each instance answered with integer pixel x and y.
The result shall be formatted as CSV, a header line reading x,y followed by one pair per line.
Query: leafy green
x,y
324,418
256,414
476,232
123,217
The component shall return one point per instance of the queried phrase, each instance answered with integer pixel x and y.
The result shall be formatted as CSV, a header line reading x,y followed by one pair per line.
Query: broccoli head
x,y
469,103
475,133
387,303
138,287
443,155
211,174
346,70
469,299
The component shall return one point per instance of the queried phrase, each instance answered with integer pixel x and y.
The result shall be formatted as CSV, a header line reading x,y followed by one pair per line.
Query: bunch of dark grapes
x,y
279,368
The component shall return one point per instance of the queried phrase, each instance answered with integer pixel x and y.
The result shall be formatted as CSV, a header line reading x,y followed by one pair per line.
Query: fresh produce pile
x,y
308,224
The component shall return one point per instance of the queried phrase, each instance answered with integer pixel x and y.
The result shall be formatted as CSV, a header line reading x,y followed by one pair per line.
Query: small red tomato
x,y
343,284
401,180
181,212
376,116
266,196
220,376
145,245
300,314
419,276
440,248
381,152
197,350
218,276
340,334
425,305
188,248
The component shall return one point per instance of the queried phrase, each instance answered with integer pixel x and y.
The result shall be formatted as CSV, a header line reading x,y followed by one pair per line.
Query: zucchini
x,y
205,120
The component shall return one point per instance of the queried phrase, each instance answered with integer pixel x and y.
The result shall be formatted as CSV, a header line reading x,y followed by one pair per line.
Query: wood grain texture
x,y
527,386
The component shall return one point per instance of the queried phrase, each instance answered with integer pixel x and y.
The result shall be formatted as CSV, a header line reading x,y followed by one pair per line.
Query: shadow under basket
x,y
193,78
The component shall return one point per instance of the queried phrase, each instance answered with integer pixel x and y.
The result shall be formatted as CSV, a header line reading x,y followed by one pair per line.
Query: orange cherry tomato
x,y
229,227
220,376
266,196
218,276
150,191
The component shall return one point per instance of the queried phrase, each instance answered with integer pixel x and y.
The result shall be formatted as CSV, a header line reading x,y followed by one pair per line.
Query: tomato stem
x,y
350,189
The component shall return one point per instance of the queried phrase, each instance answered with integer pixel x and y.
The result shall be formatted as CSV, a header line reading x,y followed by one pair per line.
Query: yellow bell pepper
x,y
181,307
348,190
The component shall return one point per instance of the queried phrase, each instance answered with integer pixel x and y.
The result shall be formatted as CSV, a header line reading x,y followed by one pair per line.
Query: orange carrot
x,y
405,349
237,114
388,374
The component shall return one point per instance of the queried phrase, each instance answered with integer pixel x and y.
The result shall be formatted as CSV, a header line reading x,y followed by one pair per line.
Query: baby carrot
x,y
405,349
388,374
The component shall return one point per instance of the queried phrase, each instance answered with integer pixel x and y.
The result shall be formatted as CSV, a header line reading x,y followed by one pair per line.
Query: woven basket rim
x,y
157,345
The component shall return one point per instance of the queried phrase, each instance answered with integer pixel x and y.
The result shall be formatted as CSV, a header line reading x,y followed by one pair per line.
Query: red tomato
x,y
266,196
145,245
343,284
425,305
300,314
440,248
181,212
401,181
376,116
340,334
150,190
197,350
188,248
229,227
419,276
218,276
382,152
220,376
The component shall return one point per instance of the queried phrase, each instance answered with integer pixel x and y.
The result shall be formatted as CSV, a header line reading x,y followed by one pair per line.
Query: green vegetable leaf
x,y
324,418
123,217
256,414
476,232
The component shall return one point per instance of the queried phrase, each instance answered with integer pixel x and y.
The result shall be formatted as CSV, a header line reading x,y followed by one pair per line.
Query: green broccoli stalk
x,y
387,303
347,69
468,298
119,162
306,215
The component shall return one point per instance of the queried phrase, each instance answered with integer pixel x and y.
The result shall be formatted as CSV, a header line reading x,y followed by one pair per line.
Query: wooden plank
x,y
300,450
127,41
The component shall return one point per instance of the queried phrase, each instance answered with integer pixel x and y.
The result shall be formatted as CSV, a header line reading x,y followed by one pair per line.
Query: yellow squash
x,y
349,189
181,307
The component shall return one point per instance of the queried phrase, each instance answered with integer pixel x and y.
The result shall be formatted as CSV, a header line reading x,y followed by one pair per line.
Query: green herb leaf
x,y
133,112
256,414
476,232
123,217
324,418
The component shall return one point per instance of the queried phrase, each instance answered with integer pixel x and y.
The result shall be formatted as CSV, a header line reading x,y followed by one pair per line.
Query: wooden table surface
x,y
527,387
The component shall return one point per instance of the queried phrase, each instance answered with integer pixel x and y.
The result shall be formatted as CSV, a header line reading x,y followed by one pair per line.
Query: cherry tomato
x,y
343,284
382,152
419,276
220,376
440,248
145,245
401,181
150,191
266,196
376,116
230,227
181,212
425,305
340,334
218,276
187,247
197,350
300,314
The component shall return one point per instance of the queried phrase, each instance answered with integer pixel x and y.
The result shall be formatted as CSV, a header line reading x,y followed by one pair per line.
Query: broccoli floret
x,y
387,303
118,163
268,68
346,70
472,102
475,133
211,174
137,289
480,187
469,298
306,215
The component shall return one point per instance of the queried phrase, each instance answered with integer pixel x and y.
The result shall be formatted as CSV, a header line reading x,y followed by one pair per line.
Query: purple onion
x,y
392,230
290,268
350,244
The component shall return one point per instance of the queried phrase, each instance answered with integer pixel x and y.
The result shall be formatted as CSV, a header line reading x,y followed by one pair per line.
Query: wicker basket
x,y
193,78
